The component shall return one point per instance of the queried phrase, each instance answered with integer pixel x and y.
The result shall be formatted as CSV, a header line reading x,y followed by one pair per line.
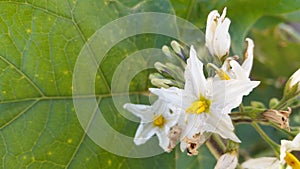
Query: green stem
x,y
267,139
280,104
282,130
213,150
219,142
285,101
216,146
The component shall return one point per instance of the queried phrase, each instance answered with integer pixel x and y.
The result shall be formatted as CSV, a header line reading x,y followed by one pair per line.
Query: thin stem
x,y
219,142
282,130
216,146
280,104
267,139
213,150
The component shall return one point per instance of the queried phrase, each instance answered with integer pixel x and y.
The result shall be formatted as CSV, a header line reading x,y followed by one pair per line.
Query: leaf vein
x,y
18,115
83,136
38,89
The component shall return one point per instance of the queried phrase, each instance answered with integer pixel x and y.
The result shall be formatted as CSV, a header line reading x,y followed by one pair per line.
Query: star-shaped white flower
x,y
155,119
206,103
217,36
286,148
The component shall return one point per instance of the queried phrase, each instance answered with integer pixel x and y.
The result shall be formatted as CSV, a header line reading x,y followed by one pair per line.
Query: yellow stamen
x,y
159,121
223,75
199,106
292,161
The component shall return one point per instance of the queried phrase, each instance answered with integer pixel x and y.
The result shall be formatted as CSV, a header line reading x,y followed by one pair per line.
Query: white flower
x,y
206,103
155,119
295,79
285,157
217,36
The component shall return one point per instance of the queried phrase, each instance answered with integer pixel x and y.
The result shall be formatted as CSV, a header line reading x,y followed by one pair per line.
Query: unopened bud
x,y
172,70
217,36
159,81
176,47
292,86
166,51
295,80
227,161
273,102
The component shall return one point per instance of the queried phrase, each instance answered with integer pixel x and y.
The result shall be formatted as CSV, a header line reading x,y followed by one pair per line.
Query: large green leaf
x,y
40,42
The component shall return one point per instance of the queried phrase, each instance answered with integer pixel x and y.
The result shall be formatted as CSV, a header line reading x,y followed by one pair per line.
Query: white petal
x,y
295,78
140,110
144,133
240,73
222,39
195,82
223,13
247,64
221,124
229,93
172,95
288,146
262,163
172,119
192,125
183,146
163,139
227,161
182,119
210,30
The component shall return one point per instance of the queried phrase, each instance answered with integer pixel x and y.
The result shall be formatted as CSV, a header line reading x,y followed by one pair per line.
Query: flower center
x,y
199,106
292,161
159,121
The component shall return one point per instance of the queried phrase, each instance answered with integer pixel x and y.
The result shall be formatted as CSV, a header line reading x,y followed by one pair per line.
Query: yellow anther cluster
x,y
199,106
159,121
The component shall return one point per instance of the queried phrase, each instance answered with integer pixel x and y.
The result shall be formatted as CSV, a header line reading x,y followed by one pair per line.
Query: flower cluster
x,y
190,112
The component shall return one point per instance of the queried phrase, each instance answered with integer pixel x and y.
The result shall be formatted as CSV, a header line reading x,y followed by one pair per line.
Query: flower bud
x,y
166,51
172,70
227,161
160,81
295,80
292,86
176,47
217,36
